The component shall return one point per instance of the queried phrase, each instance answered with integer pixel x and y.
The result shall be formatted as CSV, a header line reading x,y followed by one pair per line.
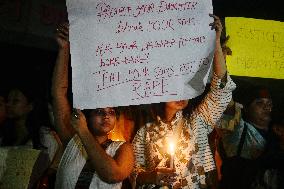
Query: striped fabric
x,y
73,161
193,157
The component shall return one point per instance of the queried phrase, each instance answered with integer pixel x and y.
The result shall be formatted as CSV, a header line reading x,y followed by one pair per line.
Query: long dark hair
x,y
158,109
35,119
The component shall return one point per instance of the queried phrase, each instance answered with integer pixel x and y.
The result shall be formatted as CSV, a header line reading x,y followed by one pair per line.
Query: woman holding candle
x,y
191,156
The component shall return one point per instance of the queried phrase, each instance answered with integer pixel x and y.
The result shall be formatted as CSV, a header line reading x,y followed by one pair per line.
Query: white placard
x,y
139,52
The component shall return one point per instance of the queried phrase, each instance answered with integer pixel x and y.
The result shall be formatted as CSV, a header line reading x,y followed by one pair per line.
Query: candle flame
x,y
171,148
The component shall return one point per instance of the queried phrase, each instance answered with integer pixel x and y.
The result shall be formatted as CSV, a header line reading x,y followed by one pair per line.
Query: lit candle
x,y
172,154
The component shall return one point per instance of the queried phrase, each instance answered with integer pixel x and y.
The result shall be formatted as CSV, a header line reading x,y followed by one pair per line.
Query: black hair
x,y
87,113
33,122
158,109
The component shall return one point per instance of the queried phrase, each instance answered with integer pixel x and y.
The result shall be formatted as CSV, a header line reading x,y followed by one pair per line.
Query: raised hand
x,y
62,35
78,120
164,176
217,25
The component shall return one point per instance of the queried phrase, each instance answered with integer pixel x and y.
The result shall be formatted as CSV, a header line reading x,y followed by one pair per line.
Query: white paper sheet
x,y
138,52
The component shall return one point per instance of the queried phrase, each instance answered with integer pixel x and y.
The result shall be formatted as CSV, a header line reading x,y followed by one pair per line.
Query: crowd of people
x,y
248,146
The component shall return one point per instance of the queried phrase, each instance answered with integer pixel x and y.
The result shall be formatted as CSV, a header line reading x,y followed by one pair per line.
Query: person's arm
x,y
110,169
61,106
219,64
220,94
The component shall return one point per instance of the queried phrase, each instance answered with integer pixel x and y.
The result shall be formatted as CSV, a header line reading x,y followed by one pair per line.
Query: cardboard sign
x,y
139,52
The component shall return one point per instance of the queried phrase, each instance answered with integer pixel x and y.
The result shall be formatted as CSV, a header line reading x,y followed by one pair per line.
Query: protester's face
x,y
259,111
102,120
17,104
2,109
176,105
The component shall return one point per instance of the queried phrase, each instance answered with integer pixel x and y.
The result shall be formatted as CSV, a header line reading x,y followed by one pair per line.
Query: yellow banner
x,y
257,47
16,166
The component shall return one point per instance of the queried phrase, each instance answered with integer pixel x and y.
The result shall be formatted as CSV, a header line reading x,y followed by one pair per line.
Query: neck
x,y
21,131
263,126
101,139
169,115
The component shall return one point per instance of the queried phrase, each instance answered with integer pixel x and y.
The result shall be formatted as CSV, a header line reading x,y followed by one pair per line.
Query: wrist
x,y
64,48
82,130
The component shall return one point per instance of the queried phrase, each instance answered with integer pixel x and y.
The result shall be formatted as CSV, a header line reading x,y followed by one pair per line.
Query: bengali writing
x,y
139,51
104,51
258,48
106,11
144,79
147,82
169,24
275,52
250,63
258,34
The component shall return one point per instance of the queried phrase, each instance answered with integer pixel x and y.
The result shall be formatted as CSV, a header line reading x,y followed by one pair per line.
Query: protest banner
x,y
257,47
139,52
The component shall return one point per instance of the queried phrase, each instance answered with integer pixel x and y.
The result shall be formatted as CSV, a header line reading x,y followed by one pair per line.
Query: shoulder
x,y
123,148
141,133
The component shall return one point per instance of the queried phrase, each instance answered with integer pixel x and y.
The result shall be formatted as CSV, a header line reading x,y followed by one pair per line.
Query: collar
x,y
177,117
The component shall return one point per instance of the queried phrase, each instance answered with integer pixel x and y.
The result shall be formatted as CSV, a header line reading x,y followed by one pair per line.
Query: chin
x,y
107,127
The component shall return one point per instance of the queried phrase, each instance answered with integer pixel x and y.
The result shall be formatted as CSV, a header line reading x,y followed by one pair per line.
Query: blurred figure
x,y
2,113
26,124
246,137
2,109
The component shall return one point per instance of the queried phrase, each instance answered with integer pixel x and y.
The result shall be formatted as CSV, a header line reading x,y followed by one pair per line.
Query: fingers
x,y
165,170
217,25
63,28
62,34
75,113
227,39
166,179
78,119
214,16
165,176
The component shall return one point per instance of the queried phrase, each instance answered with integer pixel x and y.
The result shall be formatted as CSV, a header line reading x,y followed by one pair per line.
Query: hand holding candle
x,y
172,153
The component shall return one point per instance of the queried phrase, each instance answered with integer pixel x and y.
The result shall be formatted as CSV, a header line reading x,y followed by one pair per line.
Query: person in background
x,y
246,137
154,166
26,127
271,173
2,113
90,159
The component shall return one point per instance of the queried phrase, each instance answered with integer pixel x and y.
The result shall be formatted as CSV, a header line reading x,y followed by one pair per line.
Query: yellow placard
x,y
16,165
257,47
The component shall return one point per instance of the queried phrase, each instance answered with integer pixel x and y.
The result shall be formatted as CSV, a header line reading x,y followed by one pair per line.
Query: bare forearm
x,y
60,74
220,68
106,167
61,107
219,64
